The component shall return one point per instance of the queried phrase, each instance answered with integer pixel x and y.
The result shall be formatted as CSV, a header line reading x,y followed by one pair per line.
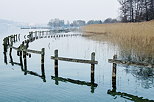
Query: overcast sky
x,y
41,11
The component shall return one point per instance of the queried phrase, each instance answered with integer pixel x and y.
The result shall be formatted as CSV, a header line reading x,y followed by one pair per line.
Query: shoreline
x,y
137,39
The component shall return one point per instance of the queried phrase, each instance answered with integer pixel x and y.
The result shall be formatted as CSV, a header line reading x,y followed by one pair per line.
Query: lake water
x,y
133,84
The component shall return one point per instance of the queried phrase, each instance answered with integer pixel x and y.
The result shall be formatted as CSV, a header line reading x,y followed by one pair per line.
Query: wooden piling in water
x,y
42,62
92,67
114,74
19,37
25,62
21,63
56,63
16,37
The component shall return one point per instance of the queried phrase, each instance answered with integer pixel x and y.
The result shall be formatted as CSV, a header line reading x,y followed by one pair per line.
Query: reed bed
x,y
135,40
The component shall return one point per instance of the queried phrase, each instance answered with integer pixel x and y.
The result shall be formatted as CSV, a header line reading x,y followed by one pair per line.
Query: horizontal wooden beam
x,y
34,51
74,60
131,63
19,64
74,81
14,47
26,50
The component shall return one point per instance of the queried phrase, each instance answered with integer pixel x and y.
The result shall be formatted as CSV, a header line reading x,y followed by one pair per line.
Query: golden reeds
x,y
137,38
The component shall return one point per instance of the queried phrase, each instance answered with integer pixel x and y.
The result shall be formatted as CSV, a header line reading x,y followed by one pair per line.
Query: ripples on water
x,y
132,83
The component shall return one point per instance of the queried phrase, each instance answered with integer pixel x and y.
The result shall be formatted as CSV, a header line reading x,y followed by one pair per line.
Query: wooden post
x,y
56,64
25,62
21,63
19,37
13,38
39,34
42,62
92,89
11,59
8,42
16,38
5,45
35,34
114,74
5,57
92,67
10,51
5,49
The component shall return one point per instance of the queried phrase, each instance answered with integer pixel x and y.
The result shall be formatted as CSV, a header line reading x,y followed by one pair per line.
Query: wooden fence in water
x,y
114,92
92,62
131,63
22,51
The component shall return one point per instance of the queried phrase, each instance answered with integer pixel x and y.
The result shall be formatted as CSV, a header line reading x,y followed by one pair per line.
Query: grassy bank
x,y
136,38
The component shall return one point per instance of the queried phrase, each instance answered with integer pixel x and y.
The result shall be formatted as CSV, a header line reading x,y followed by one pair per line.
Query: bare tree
x,y
136,10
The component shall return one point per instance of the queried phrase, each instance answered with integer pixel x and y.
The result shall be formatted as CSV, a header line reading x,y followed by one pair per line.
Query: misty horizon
x,y
38,11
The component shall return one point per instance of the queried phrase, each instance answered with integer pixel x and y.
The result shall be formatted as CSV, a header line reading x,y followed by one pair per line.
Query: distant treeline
x,y
136,10
77,23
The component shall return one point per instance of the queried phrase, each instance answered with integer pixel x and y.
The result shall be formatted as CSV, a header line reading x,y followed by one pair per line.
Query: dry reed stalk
x,y
137,38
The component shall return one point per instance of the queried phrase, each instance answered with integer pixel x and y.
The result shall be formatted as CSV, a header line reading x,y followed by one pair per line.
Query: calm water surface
x,y
132,83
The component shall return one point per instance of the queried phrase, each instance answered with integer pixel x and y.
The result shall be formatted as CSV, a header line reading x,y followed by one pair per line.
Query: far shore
x,y
141,28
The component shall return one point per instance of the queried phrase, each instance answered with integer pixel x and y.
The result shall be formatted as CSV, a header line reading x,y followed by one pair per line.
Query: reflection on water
x,y
24,68
78,82
132,48
106,77
145,75
131,97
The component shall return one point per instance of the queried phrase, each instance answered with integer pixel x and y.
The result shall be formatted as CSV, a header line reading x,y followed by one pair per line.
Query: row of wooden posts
x,y
47,34
23,57
51,36
10,40
23,52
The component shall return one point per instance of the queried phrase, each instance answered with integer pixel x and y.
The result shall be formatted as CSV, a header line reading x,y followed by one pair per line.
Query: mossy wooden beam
x,y
74,60
131,63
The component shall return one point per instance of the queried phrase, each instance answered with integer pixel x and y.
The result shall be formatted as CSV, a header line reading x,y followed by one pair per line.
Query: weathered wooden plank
x,y
131,63
74,81
16,63
33,51
15,48
74,60
26,50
